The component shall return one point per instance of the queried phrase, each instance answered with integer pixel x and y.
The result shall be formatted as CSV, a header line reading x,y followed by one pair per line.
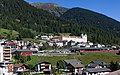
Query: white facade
x,y
46,37
98,73
1,54
5,70
5,54
59,44
79,70
82,38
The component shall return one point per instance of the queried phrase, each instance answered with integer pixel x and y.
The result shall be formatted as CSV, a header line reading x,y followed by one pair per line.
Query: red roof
x,y
11,43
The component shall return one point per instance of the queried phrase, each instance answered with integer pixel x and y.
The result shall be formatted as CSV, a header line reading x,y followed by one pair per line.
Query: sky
x,y
106,7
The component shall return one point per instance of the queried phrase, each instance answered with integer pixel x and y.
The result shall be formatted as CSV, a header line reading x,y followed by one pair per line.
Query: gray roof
x,y
95,70
42,61
105,48
93,64
72,61
99,62
24,50
77,65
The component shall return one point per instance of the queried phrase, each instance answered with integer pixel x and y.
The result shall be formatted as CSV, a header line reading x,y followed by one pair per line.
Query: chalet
x,y
97,71
20,68
74,66
97,68
43,67
97,64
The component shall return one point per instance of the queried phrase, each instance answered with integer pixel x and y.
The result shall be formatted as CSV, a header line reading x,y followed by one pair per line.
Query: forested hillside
x,y
29,21
84,16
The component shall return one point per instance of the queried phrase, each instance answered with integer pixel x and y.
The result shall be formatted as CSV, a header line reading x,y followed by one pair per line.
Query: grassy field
x,y
6,31
86,58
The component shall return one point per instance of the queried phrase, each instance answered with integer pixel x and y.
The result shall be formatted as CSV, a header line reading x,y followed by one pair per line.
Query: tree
x,y
21,58
114,66
60,64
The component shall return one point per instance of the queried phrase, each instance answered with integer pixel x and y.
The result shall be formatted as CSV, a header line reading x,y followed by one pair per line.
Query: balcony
x,y
6,55
6,52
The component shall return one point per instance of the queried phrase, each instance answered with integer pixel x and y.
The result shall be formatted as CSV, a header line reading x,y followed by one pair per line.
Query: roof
x,y
114,73
93,64
95,70
102,63
89,48
42,61
18,65
72,61
77,65
26,50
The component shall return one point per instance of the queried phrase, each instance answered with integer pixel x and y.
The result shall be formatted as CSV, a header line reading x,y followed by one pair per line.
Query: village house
x,y
74,66
43,67
97,64
5,54
97,68
97,71
20,68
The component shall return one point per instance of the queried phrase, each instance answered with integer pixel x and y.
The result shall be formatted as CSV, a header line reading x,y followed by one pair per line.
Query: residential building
x,y
43,67
97,64
5,53
6,68
74,66
82,38
20,68
97,68
97,71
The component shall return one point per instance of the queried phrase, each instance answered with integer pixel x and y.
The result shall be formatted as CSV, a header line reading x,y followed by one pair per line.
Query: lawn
x,y
86,58
6,31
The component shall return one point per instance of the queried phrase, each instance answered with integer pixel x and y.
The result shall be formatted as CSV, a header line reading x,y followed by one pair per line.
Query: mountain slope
x,y
29,21
84,16
20,16
51,7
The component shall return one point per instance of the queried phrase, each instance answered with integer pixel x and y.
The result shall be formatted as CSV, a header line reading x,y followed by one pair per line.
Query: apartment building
x,y
5,53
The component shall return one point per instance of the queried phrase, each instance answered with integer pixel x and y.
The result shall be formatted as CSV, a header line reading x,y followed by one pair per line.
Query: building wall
x,y
1,54
5,54
99,73
41,67
79,70
5,70
82,38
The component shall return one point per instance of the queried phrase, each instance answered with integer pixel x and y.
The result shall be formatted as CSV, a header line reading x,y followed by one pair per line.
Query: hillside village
x,y
48,39
62,45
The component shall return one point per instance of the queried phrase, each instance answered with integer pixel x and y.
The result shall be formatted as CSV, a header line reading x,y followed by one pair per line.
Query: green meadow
x,y
85,58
